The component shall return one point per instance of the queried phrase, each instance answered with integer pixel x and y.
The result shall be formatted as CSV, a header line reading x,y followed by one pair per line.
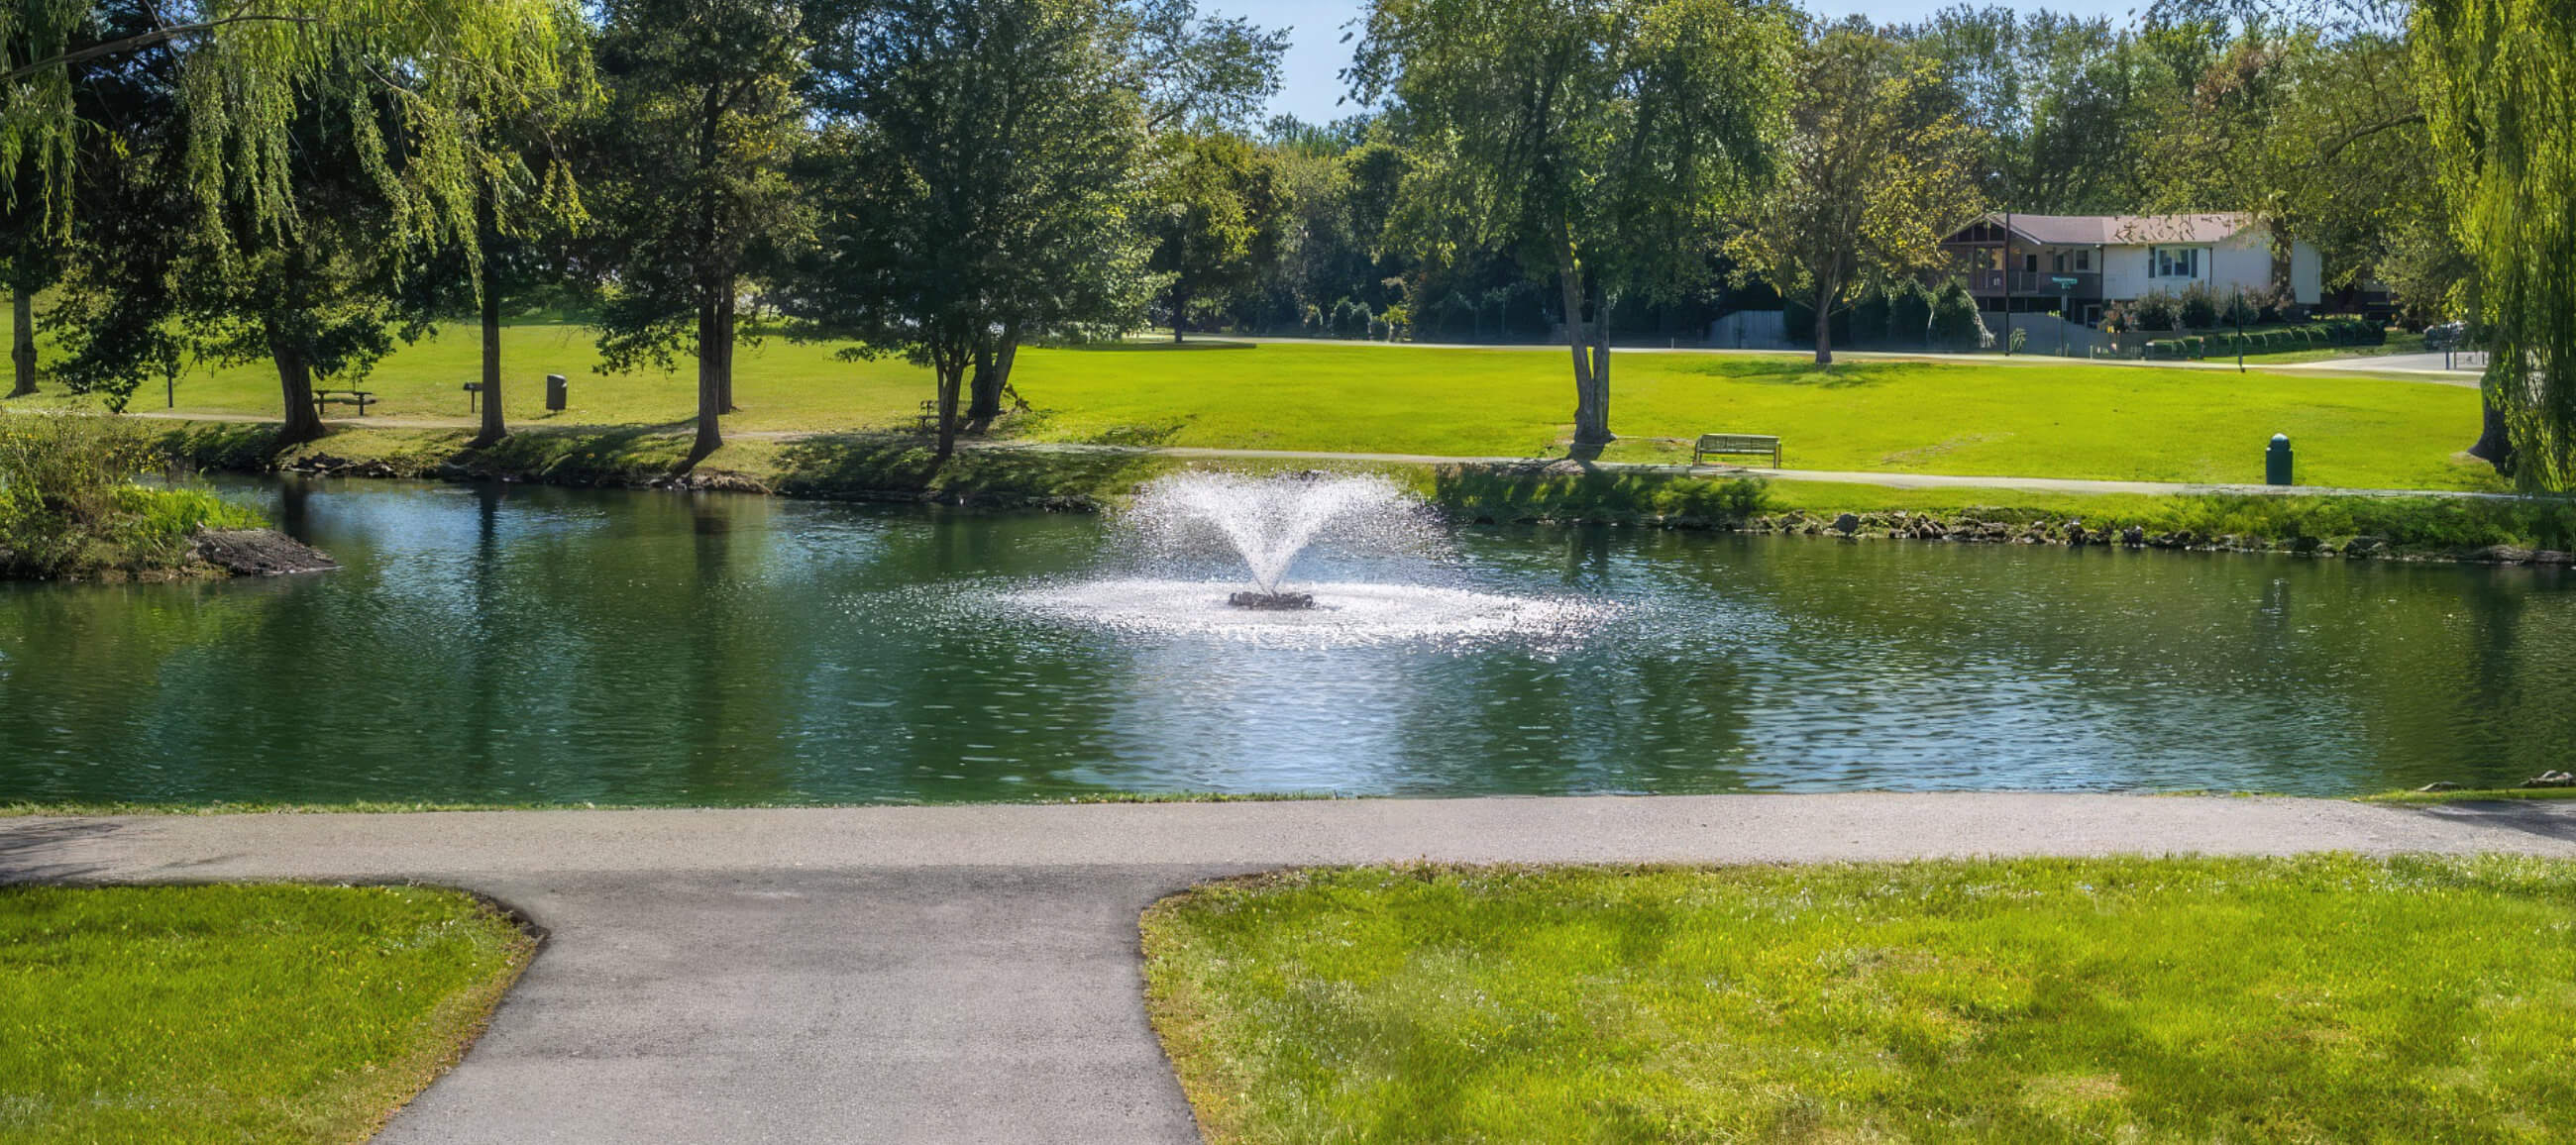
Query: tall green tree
x,y
2052,103
980,178
2499,82
1875,173
529,205
1601,139
1211,194
690,195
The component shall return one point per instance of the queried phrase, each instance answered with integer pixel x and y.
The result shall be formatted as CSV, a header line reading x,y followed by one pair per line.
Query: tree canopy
x,y
406,78
1603,139
1875,174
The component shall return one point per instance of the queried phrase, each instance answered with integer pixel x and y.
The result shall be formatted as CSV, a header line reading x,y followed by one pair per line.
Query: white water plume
x,y
1268,521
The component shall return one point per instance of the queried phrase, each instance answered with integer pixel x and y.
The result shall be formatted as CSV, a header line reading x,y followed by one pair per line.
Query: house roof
x,y
2117,230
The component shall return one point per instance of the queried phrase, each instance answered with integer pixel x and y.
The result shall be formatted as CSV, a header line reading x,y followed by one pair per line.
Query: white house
x,y
2086,262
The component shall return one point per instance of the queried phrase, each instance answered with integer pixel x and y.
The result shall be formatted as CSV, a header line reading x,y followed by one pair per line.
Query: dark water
x,y
522,644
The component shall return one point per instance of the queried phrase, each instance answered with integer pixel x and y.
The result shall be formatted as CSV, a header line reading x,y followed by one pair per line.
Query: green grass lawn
x,y
2318,999
2032,417
236,1013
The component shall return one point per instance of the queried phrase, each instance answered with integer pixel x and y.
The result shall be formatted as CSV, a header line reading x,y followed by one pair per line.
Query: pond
x,y
527,644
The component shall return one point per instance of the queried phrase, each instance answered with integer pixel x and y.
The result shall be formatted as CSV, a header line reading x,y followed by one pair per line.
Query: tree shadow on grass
x,y
1155,347
1776,372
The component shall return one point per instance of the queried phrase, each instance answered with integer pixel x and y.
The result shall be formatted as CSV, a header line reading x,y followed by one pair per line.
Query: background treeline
x,y
308,183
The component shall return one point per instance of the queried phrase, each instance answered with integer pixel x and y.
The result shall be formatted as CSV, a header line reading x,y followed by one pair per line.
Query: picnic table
x,y
359,398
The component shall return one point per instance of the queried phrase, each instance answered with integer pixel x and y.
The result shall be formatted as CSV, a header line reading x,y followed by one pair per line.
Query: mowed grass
x,y
2326,998
2026,417
236,1013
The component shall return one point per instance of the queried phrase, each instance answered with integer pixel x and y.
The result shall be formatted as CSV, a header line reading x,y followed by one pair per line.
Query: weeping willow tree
x,y
413,90
2499,81
249,68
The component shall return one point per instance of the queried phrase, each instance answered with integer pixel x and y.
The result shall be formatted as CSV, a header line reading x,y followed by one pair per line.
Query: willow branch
x,y
140,41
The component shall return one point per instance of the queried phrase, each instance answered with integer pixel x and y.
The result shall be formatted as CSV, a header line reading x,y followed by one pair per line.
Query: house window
x,y
2177,262
2083,260
2057,262
2030,264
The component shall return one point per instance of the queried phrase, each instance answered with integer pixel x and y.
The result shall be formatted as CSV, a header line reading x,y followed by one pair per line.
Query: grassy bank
x,y
2325,998
70,508
872,466
2472,795
2383,526
236,1013
2030,417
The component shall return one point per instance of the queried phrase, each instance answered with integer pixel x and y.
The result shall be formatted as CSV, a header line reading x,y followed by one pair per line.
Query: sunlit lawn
x,y
236,1013
2033,419
2318,999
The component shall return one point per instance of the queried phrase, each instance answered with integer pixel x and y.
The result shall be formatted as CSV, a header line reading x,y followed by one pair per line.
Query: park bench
x,y
928,421
359,398
1736,443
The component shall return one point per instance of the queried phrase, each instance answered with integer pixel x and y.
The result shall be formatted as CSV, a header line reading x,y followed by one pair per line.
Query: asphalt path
x,y
972,974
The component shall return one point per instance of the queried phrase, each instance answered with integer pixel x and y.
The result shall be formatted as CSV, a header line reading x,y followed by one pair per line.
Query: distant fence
x,y
1751,330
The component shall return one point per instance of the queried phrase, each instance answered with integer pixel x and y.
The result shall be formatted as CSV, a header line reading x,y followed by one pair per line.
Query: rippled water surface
x,y
519,644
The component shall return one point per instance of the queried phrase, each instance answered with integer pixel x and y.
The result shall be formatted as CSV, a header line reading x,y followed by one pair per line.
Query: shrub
x,y
1394,322
1909,314
2155,310
1868,322
1351,319
2196,307
2240,309
1956,324
69,504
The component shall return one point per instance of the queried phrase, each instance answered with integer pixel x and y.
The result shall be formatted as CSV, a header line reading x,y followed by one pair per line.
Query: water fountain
x,y
1266,522
1253,531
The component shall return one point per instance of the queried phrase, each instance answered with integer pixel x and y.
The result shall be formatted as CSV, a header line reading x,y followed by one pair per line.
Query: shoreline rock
x,y
260,552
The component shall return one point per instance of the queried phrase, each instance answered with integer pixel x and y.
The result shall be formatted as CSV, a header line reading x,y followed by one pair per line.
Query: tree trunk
x,y
724,376
22,341
295,383
992,374
1825,323
1591,359
952,374
2495,439
495,427
711,369
1180,312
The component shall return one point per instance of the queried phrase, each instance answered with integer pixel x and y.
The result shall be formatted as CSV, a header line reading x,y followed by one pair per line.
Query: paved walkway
x,y
2444,369
963,974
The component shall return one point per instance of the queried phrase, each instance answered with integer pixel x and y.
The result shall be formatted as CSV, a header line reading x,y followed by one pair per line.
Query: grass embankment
x,y
2383,526
2317,999
237,1013
69,506
863,465
2473,795
2028,417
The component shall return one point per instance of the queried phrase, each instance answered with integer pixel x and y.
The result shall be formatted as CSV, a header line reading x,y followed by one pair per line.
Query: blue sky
x,y
1316,54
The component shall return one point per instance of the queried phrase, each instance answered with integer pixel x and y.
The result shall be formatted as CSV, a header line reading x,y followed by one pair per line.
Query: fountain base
x,y
1272,601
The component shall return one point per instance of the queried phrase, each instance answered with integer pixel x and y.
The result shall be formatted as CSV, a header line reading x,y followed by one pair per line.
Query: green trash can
x,y
2276,461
